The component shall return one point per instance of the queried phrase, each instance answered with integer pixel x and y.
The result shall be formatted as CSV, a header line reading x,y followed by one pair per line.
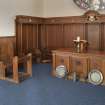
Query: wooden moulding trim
x,y
61,20
7,36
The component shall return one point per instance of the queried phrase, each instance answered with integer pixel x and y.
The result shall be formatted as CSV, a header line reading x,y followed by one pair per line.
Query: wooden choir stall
x,y
10,64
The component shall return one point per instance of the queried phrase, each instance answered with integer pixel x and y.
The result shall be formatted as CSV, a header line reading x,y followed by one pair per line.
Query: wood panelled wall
x,y
57,32
27,34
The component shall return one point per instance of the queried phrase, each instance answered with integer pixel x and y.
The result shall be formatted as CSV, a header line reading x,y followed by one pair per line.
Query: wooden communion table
x,y
82,62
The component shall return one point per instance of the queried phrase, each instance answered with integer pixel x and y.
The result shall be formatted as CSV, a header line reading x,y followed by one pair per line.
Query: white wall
x,y
46,8
10,8
56,8
53,8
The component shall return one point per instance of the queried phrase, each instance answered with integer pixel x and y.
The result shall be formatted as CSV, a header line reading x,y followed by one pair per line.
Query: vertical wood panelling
x,y
71,31
24,45
103,40
90,31
94,36
43,40
39,36
68,36
19,37
101,37
27,30
30,37
59,36
86,31
34,32
59,32
51,36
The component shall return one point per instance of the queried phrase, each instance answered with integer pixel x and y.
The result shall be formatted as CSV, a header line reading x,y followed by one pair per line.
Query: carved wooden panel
x,y
62,59
80,65
95,63
103,36
98,63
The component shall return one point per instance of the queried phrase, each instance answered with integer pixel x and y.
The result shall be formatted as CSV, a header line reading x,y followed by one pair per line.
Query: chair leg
x,y
2,71
15,70
29,64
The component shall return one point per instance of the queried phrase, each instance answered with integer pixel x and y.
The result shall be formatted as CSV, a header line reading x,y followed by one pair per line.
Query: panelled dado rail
x,y
99,18
59,32
29,19
81,63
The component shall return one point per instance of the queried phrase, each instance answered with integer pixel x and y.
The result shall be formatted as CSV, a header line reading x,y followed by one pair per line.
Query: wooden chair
x,y
9,64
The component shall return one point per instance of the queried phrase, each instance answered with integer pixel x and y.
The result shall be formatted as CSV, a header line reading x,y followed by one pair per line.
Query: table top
x,y
71,50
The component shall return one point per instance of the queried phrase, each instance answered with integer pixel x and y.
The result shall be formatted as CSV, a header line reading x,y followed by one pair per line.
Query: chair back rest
x,y
6,51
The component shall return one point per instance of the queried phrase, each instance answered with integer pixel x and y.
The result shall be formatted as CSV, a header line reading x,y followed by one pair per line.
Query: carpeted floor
x,y
43,89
